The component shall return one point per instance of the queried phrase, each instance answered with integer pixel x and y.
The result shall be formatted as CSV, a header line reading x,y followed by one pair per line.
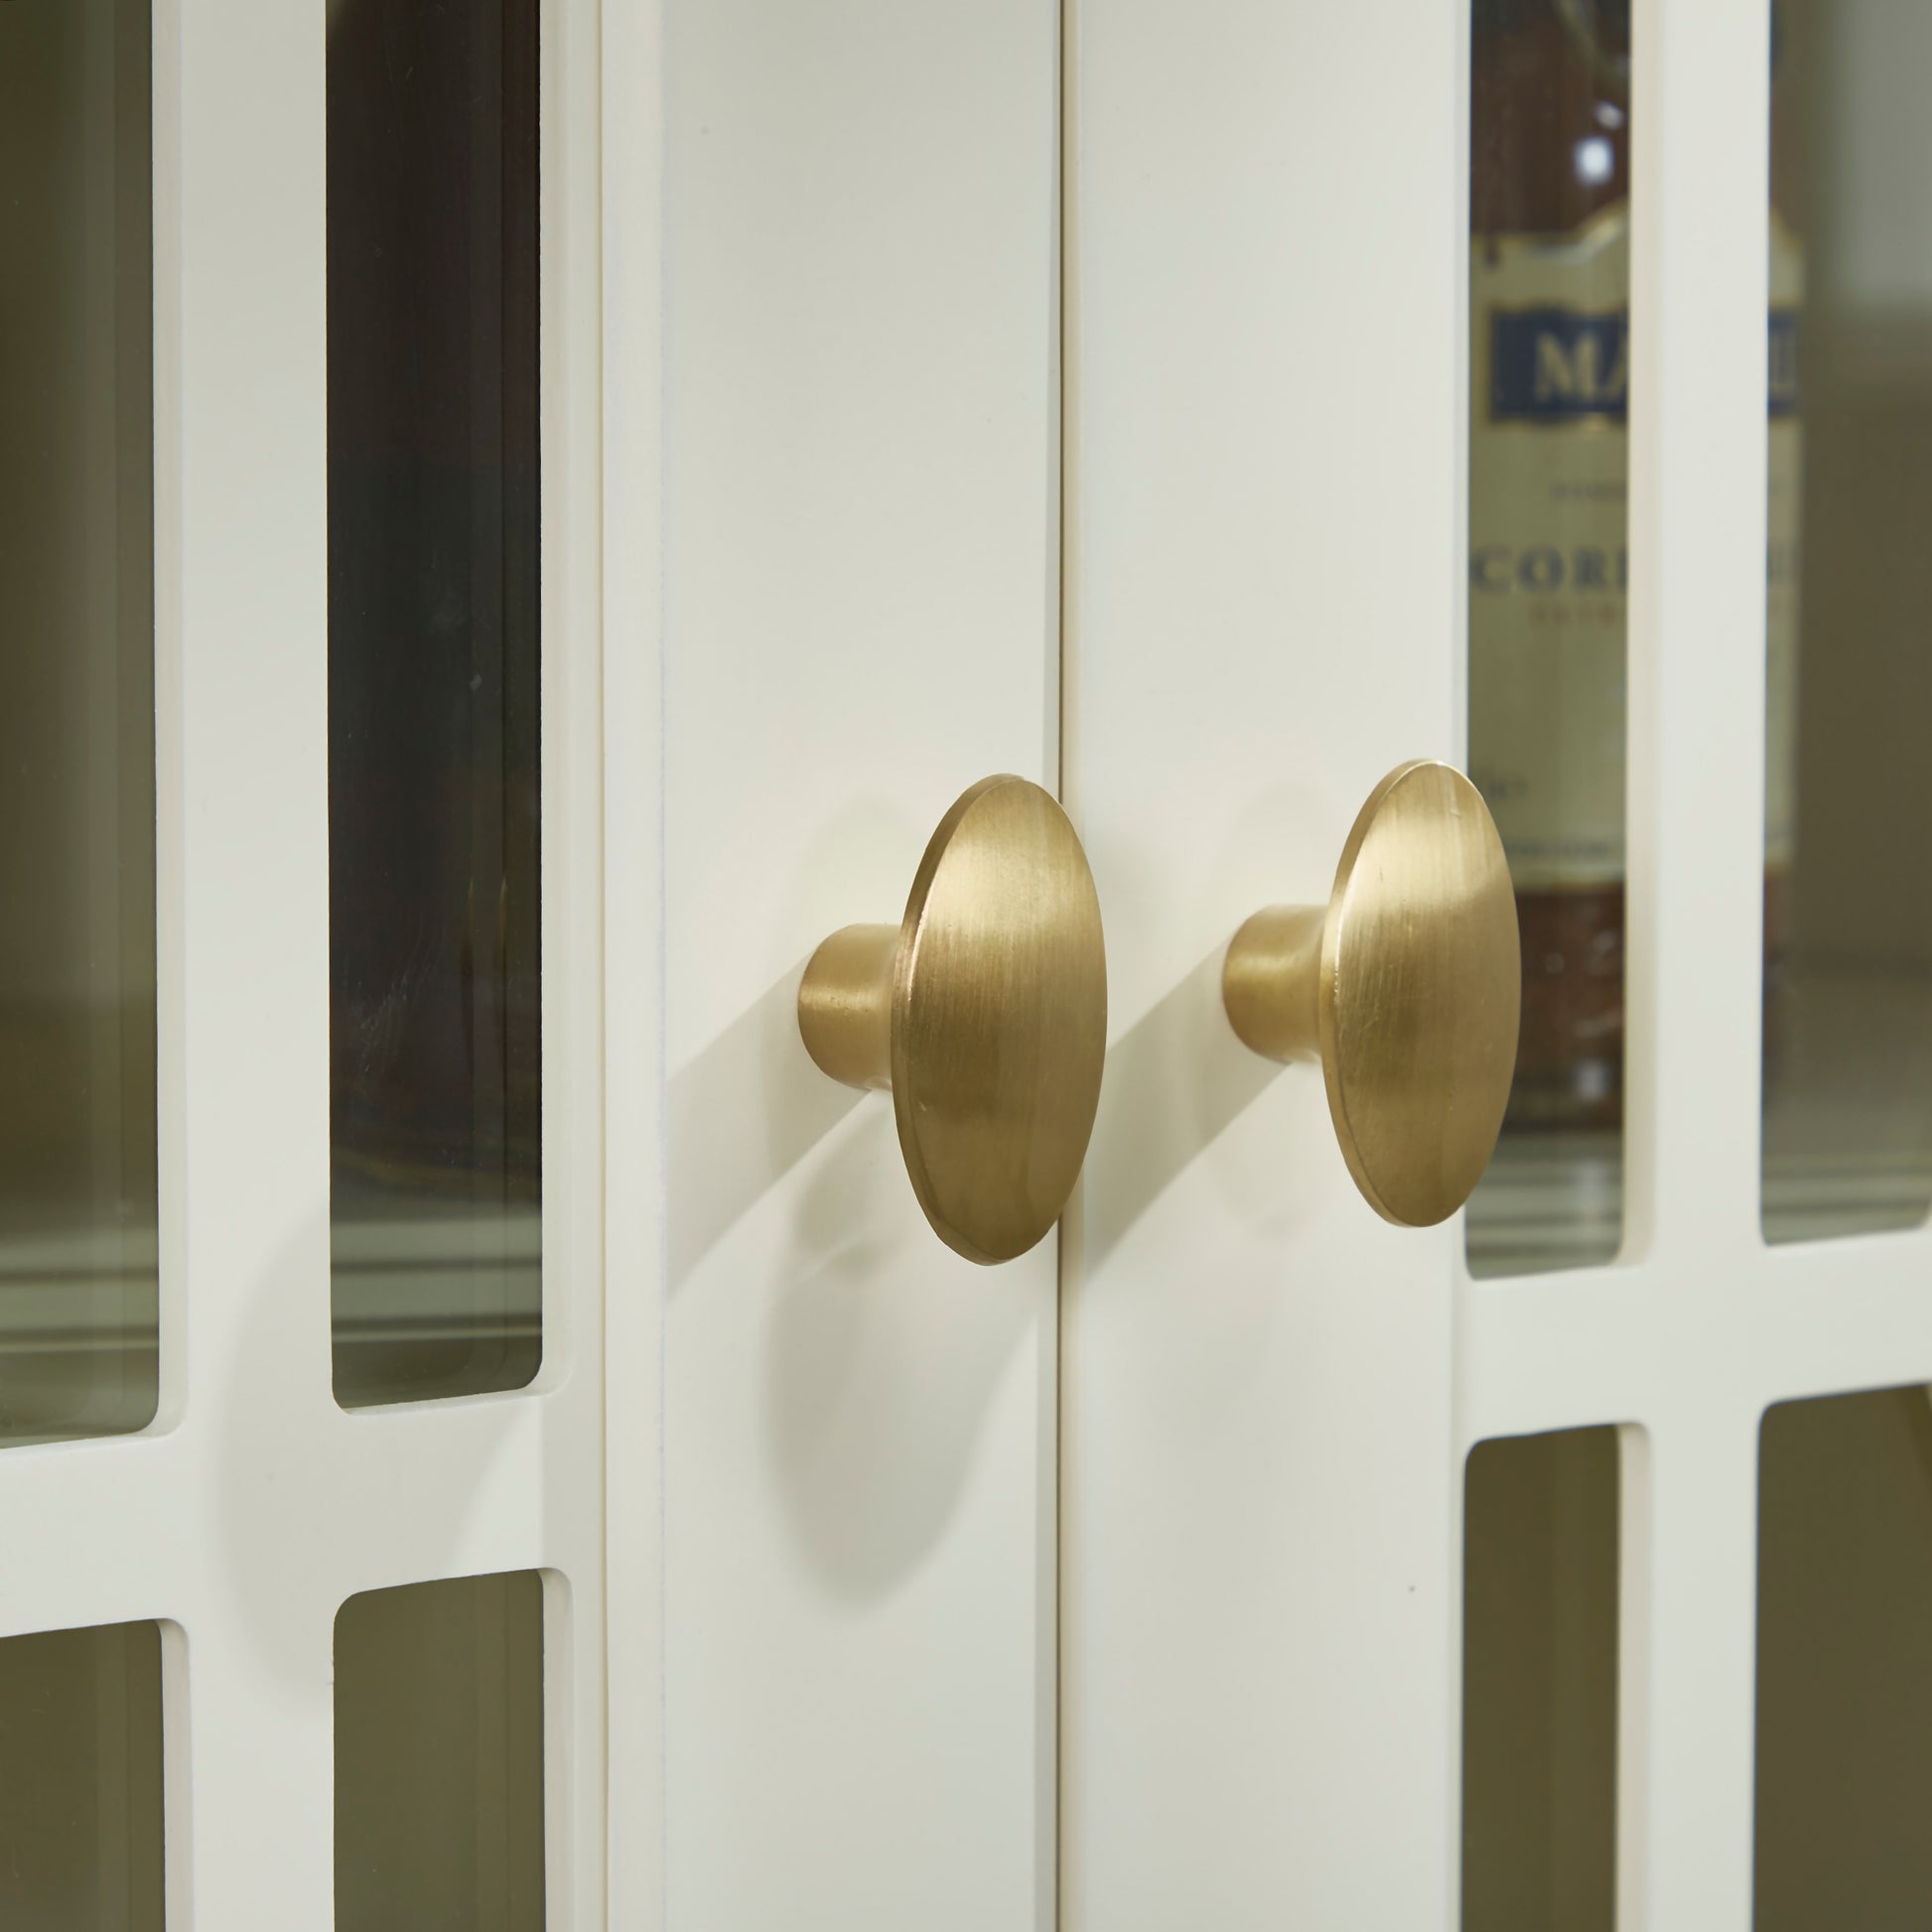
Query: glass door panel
x,y
81,1780
78,1307
433,687
439,1757
1848,1035
1845,1662
1539,1683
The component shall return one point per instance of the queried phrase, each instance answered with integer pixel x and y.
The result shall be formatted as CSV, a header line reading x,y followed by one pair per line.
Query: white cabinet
x,y
910,394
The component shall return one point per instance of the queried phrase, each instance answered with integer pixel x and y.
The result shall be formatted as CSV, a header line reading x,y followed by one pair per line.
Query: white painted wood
x,y
632,132
859,606
1264,373
254,1505
1268,1408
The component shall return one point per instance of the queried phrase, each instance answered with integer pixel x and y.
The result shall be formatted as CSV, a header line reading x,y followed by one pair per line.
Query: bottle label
x,y
1549,556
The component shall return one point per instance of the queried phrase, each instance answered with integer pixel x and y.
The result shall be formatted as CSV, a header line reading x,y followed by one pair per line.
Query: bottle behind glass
x,y
1549,568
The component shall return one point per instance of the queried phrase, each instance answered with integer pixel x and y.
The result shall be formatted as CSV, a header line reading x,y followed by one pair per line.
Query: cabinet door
x,y
1574,1506
284,1643
859,620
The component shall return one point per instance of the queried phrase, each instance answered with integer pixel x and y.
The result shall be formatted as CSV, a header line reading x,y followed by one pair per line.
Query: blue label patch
x,y
1563,366
1559,365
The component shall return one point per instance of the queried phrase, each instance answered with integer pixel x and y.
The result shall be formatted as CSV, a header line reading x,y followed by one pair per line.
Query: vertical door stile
x,y
585,1231
1697,630
631,123
1696,815
253,876
859,622
1264,455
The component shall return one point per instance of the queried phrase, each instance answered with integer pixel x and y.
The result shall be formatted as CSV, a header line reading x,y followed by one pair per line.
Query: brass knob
x,y
983,1012
1406,987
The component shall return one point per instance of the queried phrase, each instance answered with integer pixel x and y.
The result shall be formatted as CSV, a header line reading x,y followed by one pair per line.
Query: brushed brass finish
x,y
983,1012
845,1004
1406,987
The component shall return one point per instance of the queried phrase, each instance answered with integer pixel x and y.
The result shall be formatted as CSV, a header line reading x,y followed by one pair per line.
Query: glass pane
x,y
439,1757
78,1306
1847,1034
1539,1684
1844,1663
1548,292
433,696
80,1769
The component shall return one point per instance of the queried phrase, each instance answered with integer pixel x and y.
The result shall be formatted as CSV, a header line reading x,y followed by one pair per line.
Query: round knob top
x,y
1420,993
999,1020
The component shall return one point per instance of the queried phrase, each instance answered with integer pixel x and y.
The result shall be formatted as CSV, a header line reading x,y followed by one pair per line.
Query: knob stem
x,y
1271,982
845,1004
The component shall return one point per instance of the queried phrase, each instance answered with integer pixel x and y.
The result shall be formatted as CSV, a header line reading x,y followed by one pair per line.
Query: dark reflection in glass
x,y
81,1780
439,1757
1848,1044
1539,1684
79,1304
433,692
1844,1663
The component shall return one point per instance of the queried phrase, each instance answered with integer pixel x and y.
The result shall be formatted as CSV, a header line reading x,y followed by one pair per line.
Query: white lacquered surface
x,y
860,621
1263,372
